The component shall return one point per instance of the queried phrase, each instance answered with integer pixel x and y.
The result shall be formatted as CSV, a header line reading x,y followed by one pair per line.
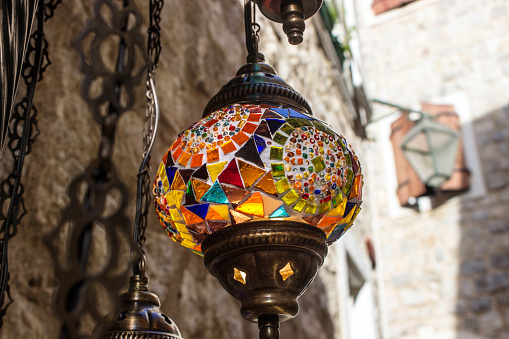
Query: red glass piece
x,y
231,175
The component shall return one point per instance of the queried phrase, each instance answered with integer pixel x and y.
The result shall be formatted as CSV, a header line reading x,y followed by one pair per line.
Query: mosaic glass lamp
x,y
259,187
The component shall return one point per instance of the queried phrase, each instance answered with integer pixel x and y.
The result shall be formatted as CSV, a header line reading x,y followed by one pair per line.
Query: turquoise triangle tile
x,y
215,194
279,213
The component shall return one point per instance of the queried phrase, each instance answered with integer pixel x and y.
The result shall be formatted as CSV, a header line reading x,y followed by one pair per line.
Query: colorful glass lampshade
x,y
247,162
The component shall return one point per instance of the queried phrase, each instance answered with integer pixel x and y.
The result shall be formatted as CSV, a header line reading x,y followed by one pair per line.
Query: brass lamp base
x,y
266,265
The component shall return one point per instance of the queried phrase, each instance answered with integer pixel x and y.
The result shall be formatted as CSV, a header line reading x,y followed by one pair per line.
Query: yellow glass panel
x,y
253,205
162,170
311,209
282,185
175,215
286,272
290,197
174,198
213,215
300,205
187,239
239,275
350,215
325,207
339,210
222,210
166,184
216,169
178,183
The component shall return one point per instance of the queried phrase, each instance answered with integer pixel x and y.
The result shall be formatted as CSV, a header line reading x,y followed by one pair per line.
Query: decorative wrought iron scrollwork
x,y
21,133
108,91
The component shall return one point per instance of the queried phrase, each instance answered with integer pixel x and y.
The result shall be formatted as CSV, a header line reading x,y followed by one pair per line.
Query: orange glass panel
x,y
213,155
176,154
222,210
249,128
184,158
228,147
327,221
249,173
240,138
253,205
197,160
238,218
178,183
200,188
266,184
190,217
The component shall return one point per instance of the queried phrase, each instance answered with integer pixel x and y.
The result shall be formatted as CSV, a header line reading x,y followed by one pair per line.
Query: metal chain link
x,y
143,197
21,134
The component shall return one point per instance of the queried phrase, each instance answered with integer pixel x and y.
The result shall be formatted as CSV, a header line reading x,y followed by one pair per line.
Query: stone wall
x,y
202,49
445,270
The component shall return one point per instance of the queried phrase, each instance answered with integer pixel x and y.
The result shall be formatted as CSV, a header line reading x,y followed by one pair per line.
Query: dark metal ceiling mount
x,y
291,13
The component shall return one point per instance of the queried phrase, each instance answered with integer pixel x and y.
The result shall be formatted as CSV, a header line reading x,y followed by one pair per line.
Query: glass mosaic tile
x,y
300,205
230,175
174,198
311,208
318,164
254,117
327,221
168,160
175,214
170,174
252,206
349,207
215,194
190,217
263,130
339,210
276,153
266,184
200,188
213,155
228,147
238,218
190,191
278,169
240,138
271,114
216,225
249,153
279,213
249,128
216,169
176,154
200,210
290,197
250,174
314,219
287,129
235,195
201,173
260,143
184,158
222,210
197,160
274,125
282,111
188,200
279,138
212,214
186,174
178,183
282,185
270,204
324,207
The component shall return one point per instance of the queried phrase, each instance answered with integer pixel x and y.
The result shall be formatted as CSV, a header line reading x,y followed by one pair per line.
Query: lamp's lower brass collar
x,y
266,264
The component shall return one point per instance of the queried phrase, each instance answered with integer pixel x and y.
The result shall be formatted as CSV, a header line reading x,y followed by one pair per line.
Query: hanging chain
x,y
143,196
252,28
81,292
21,134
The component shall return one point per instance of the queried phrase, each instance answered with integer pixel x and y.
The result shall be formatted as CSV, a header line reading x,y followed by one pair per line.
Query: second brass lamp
x,y
259,187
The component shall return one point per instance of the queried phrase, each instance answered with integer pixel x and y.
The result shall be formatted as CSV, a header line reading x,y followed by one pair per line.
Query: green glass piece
x,y
287,129
279,138
338,199
311,209
349,175
319,126
305,155
190,191
325,207
300,205
290,197
298,122
347,188
276,153
282,185
278,169
318,163
348,159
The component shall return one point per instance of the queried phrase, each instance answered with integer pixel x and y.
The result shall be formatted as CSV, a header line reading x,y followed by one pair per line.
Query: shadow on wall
x,y
482,307
314,319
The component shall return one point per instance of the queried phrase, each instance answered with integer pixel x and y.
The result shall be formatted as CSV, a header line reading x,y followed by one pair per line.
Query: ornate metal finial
x,y
291,13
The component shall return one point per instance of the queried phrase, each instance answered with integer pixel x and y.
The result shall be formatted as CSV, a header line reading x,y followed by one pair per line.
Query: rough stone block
x,y
500,260
480,305
499,226
472,267
496,181
492,282
490,322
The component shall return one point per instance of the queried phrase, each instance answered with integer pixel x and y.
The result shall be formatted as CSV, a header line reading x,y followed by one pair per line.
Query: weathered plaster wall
x,y
445,270
202,49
